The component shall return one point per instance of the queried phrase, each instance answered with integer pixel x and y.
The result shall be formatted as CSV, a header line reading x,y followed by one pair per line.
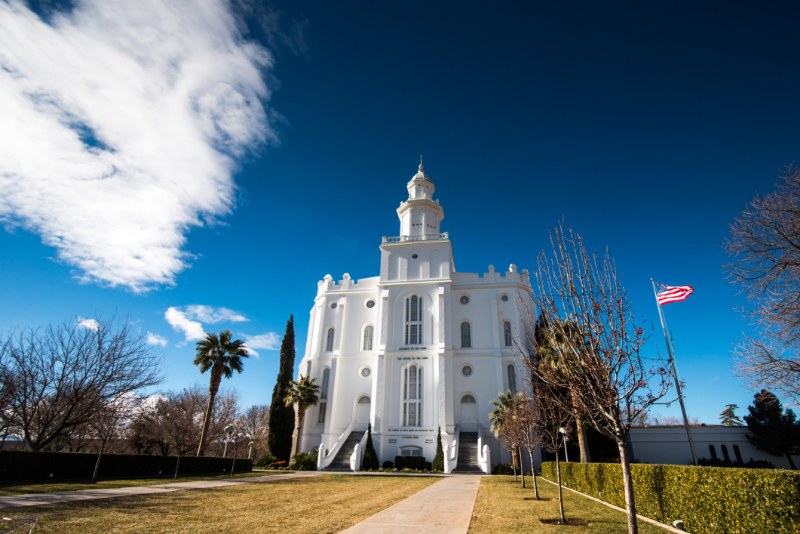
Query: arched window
x,y
725,454
713,452
414,320
507,329
412,396
466,335
738,454
512,379
329,341
368,337
323,395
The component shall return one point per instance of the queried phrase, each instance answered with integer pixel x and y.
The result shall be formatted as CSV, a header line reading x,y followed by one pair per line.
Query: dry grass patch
x,y
322,504
15,488
504,507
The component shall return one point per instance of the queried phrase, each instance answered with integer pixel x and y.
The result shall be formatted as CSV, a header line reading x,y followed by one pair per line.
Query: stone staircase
x,y
341,461
468,454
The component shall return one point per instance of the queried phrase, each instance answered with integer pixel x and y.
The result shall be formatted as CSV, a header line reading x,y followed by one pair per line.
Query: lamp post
x,y
227,438
250,453
566,439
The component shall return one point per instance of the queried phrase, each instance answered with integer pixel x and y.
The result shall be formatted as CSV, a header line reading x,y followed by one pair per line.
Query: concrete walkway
x,y
444,507
37,499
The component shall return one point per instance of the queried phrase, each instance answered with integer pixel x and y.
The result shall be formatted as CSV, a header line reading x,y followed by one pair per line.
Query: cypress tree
x,y
438,460
370,456
773,430
281,417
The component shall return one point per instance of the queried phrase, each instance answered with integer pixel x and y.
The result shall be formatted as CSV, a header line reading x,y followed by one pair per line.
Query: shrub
x,y
265,461
370,456
410,462
438,460
304,461
503,469
29,465
388,465
707,499
428,466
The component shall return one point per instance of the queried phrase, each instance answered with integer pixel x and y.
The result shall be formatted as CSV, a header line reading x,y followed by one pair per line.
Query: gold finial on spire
x,y
421,167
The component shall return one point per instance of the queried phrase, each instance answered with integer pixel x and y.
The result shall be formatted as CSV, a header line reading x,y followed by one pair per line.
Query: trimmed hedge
x,y
27,465
411,462
708,499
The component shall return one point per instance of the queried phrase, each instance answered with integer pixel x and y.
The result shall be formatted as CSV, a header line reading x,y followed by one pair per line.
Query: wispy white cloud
x,y
155,339
193,330
269,341
189,319
121,126
89,324
208,314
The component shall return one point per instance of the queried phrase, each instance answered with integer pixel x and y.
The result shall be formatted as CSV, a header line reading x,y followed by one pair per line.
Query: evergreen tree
x,y
370,456
281,417
438,460
728,417
773,430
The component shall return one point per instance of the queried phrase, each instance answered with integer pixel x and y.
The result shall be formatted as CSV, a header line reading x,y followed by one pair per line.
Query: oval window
x,y
464,299
365,372
466,370
333,304
370,304
504,298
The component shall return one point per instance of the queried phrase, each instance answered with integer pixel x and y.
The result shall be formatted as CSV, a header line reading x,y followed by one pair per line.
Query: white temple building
x,y
418,348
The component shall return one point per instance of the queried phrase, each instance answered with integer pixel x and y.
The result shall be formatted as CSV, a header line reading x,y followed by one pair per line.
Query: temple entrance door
x,y
362,413
469,414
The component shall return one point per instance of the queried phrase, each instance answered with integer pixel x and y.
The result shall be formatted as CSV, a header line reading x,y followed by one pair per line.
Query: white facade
x,y
417,348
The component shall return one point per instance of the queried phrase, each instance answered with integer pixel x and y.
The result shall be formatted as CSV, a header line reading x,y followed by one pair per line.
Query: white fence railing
x,y
484,453
424,237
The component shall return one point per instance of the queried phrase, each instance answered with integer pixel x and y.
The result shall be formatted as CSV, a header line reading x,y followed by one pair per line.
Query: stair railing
x,y
356,459
484,453
454,451
324,460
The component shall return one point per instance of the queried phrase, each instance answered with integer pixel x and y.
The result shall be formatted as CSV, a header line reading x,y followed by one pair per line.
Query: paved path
x,y
36,499
444,507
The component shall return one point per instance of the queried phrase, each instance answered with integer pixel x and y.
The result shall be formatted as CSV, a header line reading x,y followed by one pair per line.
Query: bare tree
x,y
255,423
529,438
551,416
610,381
177,415
62,376
107,423
764,243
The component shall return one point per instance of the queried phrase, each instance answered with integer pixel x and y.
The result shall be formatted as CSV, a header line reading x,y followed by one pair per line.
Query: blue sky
x,y
230,155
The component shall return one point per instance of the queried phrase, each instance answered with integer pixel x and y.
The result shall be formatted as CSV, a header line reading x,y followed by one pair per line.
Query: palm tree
x,y
223,357
505,406
303,393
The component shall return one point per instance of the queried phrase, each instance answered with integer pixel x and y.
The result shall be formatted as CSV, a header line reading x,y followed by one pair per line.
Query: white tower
x,y
420,214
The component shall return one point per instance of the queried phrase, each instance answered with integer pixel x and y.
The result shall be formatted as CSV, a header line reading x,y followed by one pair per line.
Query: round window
x,y
414,256
333,304
464,299
466,370
504,298
370,303
365,372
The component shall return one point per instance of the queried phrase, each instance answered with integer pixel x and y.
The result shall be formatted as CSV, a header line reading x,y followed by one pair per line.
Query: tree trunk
x,y
97,464
581,430
216,377
301,415
791,462
514,464
235,452
521,467
177,465
630,504
560,496
533,476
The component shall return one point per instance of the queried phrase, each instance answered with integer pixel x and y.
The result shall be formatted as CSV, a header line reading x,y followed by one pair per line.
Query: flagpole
x,y
674,373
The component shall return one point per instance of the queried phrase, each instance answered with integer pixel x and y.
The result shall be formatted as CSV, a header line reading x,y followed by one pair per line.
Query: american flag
x,y
667,294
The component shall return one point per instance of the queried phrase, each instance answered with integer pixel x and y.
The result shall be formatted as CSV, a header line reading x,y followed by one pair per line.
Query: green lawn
x,y
322,504
504,507
15,488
